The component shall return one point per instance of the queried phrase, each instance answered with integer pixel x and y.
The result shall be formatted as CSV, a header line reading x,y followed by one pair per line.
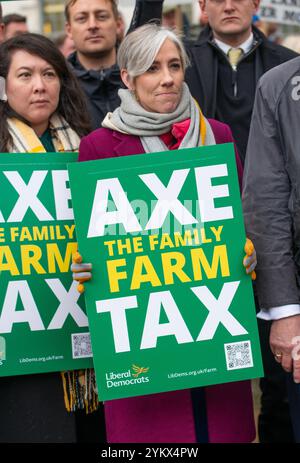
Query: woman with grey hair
x,y
157,113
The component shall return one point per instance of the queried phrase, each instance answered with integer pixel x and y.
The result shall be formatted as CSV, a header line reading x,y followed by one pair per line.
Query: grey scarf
x,y
133,119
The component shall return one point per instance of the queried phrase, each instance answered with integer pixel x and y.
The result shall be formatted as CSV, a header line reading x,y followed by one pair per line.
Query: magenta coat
x,y
169,417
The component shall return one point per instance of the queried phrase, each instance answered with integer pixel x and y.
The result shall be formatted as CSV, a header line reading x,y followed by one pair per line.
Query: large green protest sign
x,y
169,305
43,323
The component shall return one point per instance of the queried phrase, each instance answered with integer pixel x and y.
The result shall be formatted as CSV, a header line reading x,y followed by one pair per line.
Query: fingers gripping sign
x,y
296,358
81,271
285,344
250,260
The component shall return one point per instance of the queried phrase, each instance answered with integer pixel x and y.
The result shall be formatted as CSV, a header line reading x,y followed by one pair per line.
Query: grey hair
x,y
138,50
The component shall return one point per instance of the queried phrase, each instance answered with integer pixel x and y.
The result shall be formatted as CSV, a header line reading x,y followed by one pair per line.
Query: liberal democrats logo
x,y
138,370
128,377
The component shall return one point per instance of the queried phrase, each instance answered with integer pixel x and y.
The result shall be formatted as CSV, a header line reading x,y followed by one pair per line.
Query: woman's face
x,y
159,89
32,88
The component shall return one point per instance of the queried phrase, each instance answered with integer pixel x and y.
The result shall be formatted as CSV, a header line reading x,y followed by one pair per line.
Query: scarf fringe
x,y
80,390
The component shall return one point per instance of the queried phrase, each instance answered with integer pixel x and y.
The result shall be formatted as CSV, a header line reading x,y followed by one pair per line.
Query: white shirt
x,y
275,313
245,46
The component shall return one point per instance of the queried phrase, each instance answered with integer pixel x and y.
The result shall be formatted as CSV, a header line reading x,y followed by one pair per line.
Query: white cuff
x,y
275,313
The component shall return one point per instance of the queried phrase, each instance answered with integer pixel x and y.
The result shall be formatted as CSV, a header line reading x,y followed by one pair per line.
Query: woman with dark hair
x,y
42,109
42,94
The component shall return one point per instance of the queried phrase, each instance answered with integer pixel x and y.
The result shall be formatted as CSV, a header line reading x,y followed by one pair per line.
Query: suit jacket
x,y
169,417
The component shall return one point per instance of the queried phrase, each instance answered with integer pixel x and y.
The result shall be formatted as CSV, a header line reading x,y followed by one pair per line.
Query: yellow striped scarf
x,y
25,139
80,391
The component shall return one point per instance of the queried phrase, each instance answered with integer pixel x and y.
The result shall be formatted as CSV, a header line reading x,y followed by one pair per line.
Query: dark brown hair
x,y
13,18
70,3
72,102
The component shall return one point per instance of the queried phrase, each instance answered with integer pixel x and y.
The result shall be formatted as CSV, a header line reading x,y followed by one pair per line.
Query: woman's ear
x,y
126,79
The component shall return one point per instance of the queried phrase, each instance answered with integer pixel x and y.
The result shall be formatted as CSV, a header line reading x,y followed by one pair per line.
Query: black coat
x,y
201,77
210,79
100,87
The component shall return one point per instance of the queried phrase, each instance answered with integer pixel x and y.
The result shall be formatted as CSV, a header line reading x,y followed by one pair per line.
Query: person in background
x,y
256,21
227,61
271,30
292,42
121,30
271,205
40,106
157,113
174,18
1,25
64,43
203,19
95,27
14,24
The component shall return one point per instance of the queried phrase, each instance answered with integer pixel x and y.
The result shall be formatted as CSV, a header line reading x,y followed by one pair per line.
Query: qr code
x,y
81,345
238,355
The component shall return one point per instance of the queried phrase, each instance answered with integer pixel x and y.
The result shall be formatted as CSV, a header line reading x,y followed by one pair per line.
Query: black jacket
x,y
202,75
100,87
203,79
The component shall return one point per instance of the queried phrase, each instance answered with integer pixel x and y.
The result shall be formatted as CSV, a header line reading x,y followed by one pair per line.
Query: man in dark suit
x,y
224,91
227,60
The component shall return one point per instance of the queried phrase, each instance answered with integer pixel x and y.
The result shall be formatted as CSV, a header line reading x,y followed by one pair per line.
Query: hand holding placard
x,y
81,272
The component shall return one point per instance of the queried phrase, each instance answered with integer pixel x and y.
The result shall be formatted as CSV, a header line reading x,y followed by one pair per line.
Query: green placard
x,y
43,323
169,305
